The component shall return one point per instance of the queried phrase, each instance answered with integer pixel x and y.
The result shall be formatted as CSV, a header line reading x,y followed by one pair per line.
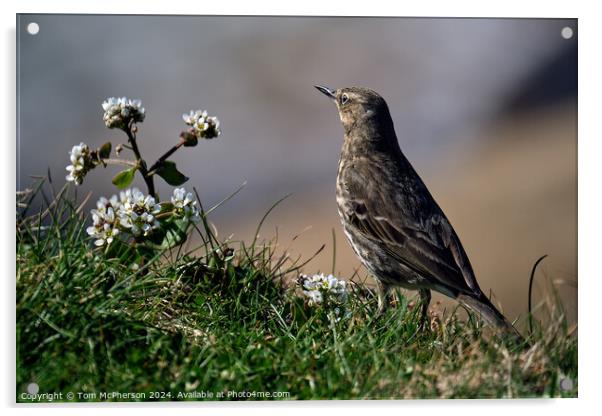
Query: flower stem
x,y
119,162
148,179
164,215
164,157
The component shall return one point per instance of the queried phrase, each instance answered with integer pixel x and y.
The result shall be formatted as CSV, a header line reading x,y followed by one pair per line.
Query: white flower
x,y
137,212
314,296
104,204
318,287
118,112
105,221
81,163
203,126
185,205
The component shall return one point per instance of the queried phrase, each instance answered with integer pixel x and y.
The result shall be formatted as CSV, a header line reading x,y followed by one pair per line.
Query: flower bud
x,y
119,112
82,161
202,125
188,139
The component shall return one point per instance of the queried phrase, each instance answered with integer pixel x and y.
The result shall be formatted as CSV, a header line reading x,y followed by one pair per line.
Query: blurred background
x,y
485,109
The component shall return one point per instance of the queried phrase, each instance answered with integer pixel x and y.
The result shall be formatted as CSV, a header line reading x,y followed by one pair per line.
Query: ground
x,y
227,321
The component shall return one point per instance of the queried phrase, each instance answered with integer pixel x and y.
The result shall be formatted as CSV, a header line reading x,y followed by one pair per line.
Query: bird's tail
x,y
491,315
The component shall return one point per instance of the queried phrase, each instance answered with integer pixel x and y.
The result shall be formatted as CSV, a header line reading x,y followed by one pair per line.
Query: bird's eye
x,y
344,98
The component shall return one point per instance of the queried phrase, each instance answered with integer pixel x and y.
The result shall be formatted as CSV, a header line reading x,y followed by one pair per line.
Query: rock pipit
x,y
389,216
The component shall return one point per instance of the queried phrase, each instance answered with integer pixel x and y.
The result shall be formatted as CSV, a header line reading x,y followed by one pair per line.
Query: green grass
x,y
205,320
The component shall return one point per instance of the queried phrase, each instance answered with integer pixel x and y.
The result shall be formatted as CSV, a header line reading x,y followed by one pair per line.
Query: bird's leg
x,y
425,297
383,294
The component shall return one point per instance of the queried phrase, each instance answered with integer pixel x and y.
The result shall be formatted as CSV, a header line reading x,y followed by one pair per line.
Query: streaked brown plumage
x,y
390,218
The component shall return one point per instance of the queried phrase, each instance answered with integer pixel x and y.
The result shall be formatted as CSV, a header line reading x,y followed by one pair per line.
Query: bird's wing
x,y
422,239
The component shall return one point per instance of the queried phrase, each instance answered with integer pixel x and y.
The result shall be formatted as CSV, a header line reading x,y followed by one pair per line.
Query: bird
x,y
391,220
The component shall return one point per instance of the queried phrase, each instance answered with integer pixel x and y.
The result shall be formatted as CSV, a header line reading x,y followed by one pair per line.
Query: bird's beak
x,y
326,91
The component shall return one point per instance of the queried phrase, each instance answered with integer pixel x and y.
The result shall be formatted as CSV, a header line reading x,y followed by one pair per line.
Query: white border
x,y
590,276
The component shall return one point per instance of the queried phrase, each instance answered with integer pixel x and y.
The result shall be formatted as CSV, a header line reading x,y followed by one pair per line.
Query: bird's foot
x,y
383,298
381,310
425,321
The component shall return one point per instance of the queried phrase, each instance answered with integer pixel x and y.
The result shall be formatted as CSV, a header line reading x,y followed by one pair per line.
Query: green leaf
x,y
105,150
124,178
168,171
157,235
175,234
166,206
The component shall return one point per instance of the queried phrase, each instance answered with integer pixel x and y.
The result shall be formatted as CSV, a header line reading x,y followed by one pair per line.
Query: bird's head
x,y
359,107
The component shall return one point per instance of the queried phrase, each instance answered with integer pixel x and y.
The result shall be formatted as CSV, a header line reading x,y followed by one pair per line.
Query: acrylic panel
x,y
260,208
